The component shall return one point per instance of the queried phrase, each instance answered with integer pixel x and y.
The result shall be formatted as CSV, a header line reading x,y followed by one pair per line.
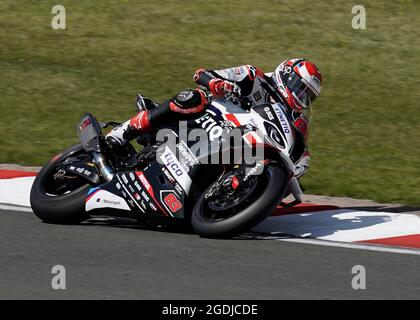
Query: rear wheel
x,y
229,212
58,197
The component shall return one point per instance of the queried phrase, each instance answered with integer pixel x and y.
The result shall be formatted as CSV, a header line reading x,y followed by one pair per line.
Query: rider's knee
x,y
189,101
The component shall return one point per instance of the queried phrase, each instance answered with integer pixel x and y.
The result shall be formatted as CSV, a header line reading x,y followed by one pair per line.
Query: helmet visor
x,y
300,91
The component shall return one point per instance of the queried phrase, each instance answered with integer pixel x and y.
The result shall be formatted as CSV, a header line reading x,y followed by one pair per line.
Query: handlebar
x,y
244,102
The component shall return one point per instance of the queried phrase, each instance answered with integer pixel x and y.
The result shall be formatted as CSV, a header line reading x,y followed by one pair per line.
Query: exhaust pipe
x,y
103,166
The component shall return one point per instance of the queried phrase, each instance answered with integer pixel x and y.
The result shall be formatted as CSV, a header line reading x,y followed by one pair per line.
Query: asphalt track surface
x,y
105,261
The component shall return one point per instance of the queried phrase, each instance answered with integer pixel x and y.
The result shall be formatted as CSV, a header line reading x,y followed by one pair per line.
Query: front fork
x,y
237,178
294,186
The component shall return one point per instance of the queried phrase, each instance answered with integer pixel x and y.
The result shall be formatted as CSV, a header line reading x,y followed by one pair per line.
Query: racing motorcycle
x,y
164,183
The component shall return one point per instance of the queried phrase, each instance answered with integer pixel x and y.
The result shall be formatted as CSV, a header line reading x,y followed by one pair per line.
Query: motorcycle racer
x,y
295,83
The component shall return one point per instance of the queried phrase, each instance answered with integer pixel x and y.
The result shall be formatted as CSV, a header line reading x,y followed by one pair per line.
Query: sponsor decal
x,y
105,199
185,95
85,124
149,189
169,159
211,126
257,96
269,113
172,202
144,181
143,204
174,166
79,170
317,83
251,125
188,157
110,202
137,185
128,196
131,189
227,125
145,196
238,70
168,175
282,118
178,188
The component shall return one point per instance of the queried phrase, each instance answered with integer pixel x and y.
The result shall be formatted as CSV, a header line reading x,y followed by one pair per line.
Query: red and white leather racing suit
x,y
245,81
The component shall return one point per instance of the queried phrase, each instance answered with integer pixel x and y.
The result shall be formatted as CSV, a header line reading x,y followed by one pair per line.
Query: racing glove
x,y
220,88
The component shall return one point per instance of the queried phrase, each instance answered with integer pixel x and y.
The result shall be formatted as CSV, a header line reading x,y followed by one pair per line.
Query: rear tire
x,y
58,209
272,184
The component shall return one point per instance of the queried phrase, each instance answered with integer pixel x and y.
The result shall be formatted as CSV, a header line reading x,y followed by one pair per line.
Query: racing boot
x,y
129,130
132,128
144,103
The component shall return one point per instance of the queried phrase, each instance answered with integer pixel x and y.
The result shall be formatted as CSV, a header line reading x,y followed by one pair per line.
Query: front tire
x,y
66,208
270,189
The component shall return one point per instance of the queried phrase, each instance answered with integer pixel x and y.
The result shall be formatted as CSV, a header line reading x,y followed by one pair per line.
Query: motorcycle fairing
x,y
261,116
167,194
162,188
100,199
152,191
275,116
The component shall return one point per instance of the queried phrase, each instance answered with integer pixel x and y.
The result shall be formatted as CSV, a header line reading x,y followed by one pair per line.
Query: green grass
x,y
365,136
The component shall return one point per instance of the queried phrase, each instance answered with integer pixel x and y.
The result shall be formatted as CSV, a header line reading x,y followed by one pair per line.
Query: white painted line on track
x,y
357,246
16,191
342,225
12,207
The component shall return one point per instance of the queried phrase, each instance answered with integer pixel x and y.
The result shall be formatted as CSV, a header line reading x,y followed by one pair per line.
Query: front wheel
x,y
229,213
57,197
